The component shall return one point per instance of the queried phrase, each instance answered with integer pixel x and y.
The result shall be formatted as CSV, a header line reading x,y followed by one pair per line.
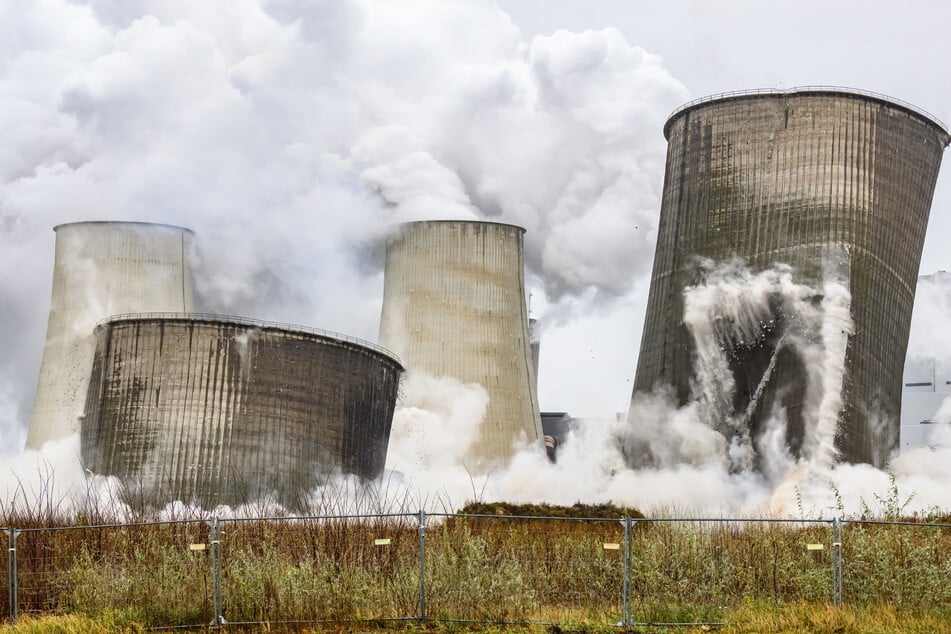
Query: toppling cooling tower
x,y
454,305
215,410
101,269
835,184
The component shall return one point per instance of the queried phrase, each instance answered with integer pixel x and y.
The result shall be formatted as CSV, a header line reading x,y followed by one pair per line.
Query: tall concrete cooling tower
x,y
832,183
220,410
101,269
454,305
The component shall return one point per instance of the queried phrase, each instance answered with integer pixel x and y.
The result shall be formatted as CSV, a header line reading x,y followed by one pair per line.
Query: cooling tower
x,y
215,410
836,184
101,269
454,305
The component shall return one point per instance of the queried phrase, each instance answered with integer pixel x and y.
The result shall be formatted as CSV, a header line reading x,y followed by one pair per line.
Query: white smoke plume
x,y
291,134
51,485
735,307
695,469
455,409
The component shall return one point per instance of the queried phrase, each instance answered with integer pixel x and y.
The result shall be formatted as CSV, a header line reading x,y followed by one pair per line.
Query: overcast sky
x,y
290,135
898,49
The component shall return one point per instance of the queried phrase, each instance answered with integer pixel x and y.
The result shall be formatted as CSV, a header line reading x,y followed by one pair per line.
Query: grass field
x,y
752,619
752,576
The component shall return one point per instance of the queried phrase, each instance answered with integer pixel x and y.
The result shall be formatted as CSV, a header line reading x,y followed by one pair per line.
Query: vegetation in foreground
x,y
753,618
486,569
547,566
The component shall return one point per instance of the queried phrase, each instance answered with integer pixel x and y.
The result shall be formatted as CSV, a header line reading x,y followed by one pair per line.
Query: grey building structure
x,y
813,178
215,410
454,306
101,268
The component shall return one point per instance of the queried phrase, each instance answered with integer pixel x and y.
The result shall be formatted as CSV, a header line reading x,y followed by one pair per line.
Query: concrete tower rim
x,y
840,91
123,223
292,329
408,223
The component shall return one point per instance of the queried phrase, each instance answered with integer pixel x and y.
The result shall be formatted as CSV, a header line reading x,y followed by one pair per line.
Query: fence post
x,y
214,543
422,566
837,562
628,562
12,535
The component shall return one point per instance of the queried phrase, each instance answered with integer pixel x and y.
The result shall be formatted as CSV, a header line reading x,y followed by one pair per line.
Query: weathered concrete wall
x,y
226,411
800,178
101,269
454,305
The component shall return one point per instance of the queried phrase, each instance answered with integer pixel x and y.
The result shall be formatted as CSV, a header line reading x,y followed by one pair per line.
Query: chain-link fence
x,y
905,564
504,569
469,568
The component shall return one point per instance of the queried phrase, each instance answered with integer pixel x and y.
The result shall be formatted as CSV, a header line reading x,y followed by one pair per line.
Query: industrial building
x,y
454,305
101,269
218,410
830,182
927,377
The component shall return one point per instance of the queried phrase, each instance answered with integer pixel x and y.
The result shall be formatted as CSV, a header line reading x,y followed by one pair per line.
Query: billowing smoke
x,y
455,409
695,468
741,324
291,134
697,458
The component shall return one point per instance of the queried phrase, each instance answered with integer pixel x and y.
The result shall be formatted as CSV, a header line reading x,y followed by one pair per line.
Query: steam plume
x,y
290,134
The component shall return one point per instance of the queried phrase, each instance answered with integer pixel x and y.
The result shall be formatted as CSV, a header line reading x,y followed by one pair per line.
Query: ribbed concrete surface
x,y
101,269
454,305
801,178
225,412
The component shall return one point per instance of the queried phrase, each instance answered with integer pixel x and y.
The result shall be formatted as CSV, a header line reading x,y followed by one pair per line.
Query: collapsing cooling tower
x,y
101,269
215,410
835,184
454,305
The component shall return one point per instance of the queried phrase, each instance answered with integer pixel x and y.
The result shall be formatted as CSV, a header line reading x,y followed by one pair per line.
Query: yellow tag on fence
x,y
815,547
381,542
611,546
196,547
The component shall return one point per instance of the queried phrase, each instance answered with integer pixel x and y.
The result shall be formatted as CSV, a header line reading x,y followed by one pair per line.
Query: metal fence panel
x,y
7,583
516,569
686,571
903,564
150,571
491,569
319,569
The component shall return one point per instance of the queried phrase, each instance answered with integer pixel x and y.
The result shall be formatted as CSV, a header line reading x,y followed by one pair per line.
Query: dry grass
x,y
106,623
754,618
757,576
